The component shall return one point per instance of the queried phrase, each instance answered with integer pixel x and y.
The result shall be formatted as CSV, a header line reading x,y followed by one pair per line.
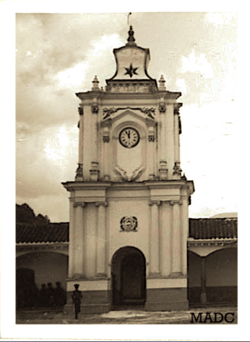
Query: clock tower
x,y
129,201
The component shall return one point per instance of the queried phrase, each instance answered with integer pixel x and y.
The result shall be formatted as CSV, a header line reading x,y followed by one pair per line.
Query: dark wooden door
x,y
133,279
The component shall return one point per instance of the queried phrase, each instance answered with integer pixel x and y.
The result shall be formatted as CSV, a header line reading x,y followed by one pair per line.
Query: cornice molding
x,y
43,246
220,242
103,95
177,106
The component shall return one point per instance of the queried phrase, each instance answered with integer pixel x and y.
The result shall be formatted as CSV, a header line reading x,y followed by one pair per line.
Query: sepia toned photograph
x,y
126,212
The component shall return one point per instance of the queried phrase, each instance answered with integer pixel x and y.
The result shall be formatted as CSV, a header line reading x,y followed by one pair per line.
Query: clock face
x,y
129,137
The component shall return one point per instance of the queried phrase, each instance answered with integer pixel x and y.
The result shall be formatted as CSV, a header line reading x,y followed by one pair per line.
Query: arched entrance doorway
x,y
128,277
26,290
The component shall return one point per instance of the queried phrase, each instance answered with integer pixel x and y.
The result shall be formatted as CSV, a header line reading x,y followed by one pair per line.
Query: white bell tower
x,y
129,201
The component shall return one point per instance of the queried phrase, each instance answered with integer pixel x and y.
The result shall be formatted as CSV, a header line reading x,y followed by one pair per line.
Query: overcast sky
x,y
58,55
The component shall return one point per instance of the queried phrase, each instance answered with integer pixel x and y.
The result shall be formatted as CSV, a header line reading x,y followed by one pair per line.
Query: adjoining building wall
x,y
221,268
47,267
221,276
194,270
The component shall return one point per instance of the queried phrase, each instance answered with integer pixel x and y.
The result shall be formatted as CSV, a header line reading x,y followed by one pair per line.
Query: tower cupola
x,y
131,66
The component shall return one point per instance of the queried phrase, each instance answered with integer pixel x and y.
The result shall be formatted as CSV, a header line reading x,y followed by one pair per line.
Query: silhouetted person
x,y
60,295
34,293
50,294
43,298
76,297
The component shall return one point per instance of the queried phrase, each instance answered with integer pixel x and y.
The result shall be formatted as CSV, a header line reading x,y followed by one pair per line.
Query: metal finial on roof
x,y
131,39
128,17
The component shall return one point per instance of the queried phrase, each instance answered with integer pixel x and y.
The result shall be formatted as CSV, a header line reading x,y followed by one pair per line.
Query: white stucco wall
x,y
118,208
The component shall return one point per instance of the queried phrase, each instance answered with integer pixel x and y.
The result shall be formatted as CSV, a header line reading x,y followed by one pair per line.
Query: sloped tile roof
x,y
213,228
200,228
52,232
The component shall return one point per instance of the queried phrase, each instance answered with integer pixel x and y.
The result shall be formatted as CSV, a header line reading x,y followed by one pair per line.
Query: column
x,y
203,281
166,238
163,154
79,239
154,238
170,139
79,171
94,172
101,239
91,240
71,240
176,170
176,243
163,136
184,230
151,153
176,135
106,139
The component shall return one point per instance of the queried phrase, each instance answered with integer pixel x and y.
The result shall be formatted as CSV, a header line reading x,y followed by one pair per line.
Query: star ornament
x,y
131,71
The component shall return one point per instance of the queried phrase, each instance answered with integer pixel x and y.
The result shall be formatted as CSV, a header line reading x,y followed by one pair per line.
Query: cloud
x,y
81,75
220,19
209,154
181,85
44,160
40,106
54,60
50,43
197,64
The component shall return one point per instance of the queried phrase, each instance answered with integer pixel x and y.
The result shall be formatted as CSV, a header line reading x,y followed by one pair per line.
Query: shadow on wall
x,y
221,277
29,296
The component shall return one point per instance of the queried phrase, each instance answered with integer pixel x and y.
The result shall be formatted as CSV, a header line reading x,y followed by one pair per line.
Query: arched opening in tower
x,y
128,277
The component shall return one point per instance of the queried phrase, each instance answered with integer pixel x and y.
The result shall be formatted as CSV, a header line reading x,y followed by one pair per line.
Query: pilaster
x,y
176,135
166,238
176,243
151,150
79,170
91,240
94,171
101,239
79,239
71,266
106,145
169,132
177,169
163,153
184,233
154,264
